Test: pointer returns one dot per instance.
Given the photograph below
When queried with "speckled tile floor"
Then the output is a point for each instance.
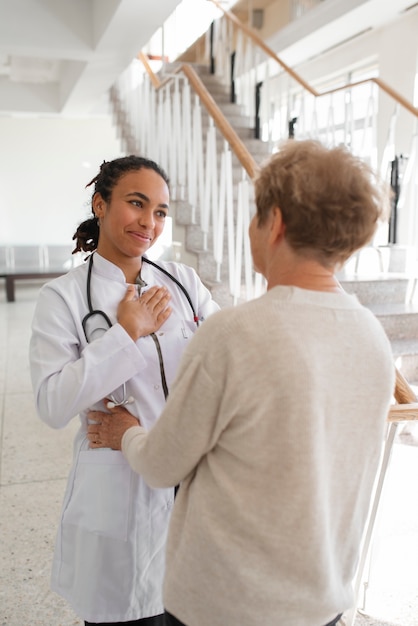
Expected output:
(34, 461)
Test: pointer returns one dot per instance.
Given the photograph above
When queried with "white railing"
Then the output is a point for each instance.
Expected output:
(170, 126)
(345, 111)
(300, 7)
(347, 116)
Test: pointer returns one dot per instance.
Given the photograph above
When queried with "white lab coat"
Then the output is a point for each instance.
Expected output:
(109, 556)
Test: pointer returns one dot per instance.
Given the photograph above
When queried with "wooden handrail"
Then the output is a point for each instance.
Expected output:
(270, 53)
(383, 86)
(238, 147)
(260, 43)
(406, 407)
(154, 79)
(403, 392)
(403, 412)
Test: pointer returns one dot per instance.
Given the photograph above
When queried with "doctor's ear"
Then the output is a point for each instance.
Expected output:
(98, 205)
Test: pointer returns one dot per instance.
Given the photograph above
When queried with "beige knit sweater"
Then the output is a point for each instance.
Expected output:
(274, 427)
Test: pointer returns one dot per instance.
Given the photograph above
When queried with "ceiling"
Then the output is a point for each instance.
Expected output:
(59, 57)
(332, 23)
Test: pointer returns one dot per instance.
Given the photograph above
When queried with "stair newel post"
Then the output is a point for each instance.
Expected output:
(395, 186)
(230, 226)
(331, 130)
(198, 146)
(248, 265)
(291, 127)
(168, 155)
(176, 136)
(314, 119)
(188, 149)
(159, 125)
(348, 118)
(218, 234)
(211, 47)
(233, 96)
(236, 277)
(257, 126)
(211, 184)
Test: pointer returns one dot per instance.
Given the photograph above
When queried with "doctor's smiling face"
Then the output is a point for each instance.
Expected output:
(132, 218)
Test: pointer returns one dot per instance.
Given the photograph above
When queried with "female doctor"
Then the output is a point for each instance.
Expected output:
(113, 330)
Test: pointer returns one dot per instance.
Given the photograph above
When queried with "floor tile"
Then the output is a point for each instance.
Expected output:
(32, 450)
(29, 514)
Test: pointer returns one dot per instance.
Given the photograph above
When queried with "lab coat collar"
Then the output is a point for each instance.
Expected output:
(111, 271)
(106, 268)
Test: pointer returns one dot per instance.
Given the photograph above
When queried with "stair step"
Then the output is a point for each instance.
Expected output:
(217, 90)
(405, 347)
(400, 323)
(378, 289)
(258, 149)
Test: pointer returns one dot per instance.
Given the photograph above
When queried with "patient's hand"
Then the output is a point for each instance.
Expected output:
(108, 428)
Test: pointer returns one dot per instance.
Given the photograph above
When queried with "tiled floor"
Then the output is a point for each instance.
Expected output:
(34, 461)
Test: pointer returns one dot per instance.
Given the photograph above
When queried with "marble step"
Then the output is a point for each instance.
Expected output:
(400, 320)
(374, 289)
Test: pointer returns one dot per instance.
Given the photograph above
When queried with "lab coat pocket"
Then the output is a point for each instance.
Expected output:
(100, 495)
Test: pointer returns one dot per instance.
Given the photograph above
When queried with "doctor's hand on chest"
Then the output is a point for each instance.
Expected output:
(146, 314)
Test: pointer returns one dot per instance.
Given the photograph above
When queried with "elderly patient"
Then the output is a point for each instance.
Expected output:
(274, 425)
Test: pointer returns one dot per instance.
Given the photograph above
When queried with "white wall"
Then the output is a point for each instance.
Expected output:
(44, 167)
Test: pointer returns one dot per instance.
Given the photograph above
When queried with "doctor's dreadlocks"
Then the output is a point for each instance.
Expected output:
(87, 233)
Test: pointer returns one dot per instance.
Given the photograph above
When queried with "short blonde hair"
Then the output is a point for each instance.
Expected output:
(331, 201)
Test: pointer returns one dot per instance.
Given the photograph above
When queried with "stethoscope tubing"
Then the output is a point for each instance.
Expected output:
(179, 285)
(92, 312)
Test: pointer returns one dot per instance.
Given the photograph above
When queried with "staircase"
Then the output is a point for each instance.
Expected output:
(193, 237)
(388, 292)
(388, 297)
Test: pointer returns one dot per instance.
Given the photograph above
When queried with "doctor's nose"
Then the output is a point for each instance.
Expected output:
(147, 219)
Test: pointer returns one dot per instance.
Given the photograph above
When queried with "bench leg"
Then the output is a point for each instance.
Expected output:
(10, 289)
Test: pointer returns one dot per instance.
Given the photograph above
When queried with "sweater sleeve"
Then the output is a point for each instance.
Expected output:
(67, 378)
(189, 426)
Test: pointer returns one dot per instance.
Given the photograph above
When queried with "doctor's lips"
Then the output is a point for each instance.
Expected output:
(141, 236)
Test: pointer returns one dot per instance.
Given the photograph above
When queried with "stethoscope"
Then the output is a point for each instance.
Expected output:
(101, 314)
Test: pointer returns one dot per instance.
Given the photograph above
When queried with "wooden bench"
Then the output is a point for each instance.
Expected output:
(33, 263)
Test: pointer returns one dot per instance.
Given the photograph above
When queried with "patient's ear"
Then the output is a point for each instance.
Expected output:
(277, 226)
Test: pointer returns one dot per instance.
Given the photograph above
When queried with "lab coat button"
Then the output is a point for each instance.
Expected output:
(156, 386)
